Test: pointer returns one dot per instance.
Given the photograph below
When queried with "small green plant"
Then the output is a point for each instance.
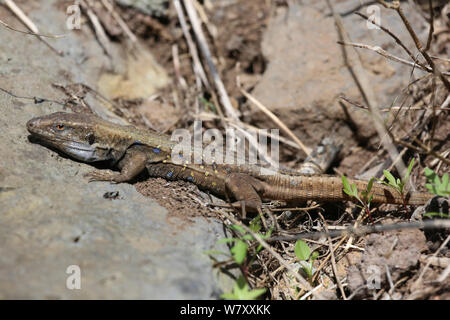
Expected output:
(436, 185)
(303, 253)
(352, 191)
(240, 254)
(241, 291)
(398, 184)
(366, 196)
(439, 187)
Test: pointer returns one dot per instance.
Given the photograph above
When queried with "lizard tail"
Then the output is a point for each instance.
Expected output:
(330, 188)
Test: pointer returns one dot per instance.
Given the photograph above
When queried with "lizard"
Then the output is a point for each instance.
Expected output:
(89, 138)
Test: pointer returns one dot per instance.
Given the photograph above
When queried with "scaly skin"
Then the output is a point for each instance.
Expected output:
(89, 138)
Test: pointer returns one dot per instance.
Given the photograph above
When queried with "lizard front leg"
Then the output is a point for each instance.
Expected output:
(132, 164)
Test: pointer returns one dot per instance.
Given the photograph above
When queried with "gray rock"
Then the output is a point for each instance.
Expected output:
(52, 218)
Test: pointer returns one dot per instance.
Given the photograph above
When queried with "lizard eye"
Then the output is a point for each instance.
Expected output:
(60, 127)
(90, 138)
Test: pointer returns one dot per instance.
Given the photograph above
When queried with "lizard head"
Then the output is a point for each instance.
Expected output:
(72, 133)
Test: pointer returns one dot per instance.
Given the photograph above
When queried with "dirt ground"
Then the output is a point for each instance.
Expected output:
(285, 53)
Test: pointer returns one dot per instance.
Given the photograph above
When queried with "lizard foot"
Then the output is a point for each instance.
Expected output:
(104, 175)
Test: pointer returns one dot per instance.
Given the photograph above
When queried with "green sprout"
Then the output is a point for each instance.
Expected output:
(241, 291)
(398, 184)
(439, 187)
(436, 185)
(303, 253)
(366, 197)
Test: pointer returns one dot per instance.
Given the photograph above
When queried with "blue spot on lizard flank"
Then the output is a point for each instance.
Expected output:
(190, 179)
(156, 150)
(169, 174)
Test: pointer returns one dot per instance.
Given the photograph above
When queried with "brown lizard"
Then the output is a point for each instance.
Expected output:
(89, 138)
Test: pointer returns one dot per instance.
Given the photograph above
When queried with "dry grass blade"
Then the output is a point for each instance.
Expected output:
(333, 258)
(32, 33)
(277, 121)
(119, 20)
(99, 31)
(198, 68)
(29, 24)
(196, 25)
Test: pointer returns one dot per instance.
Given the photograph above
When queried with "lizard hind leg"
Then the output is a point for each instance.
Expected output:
(245, 190)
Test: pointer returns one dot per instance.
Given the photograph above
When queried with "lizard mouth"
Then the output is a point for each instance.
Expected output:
(78, 150)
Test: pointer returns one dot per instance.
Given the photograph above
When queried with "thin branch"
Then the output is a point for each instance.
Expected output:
(363, 230)
(389, 56)
(396, 39)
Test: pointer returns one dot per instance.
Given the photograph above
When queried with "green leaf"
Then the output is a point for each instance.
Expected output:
(302, 251)
(228, 296)
(308, 270)
(390, 178)
(237, 228)
(242, 292)
(239, 251)
(215, 252)
(435, 185)
(226, 240)
(255, 224)
(436, 214)
(408, 171)
(370, 185)
(247, 237)
(436, 180)
(355, 190)
(346, 185)
(314, 256)
(429, 173)
(253, 294)
(445, 181)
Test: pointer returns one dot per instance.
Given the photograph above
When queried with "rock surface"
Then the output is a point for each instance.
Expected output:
(398, 252)
(52, 218)
(307, 71)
